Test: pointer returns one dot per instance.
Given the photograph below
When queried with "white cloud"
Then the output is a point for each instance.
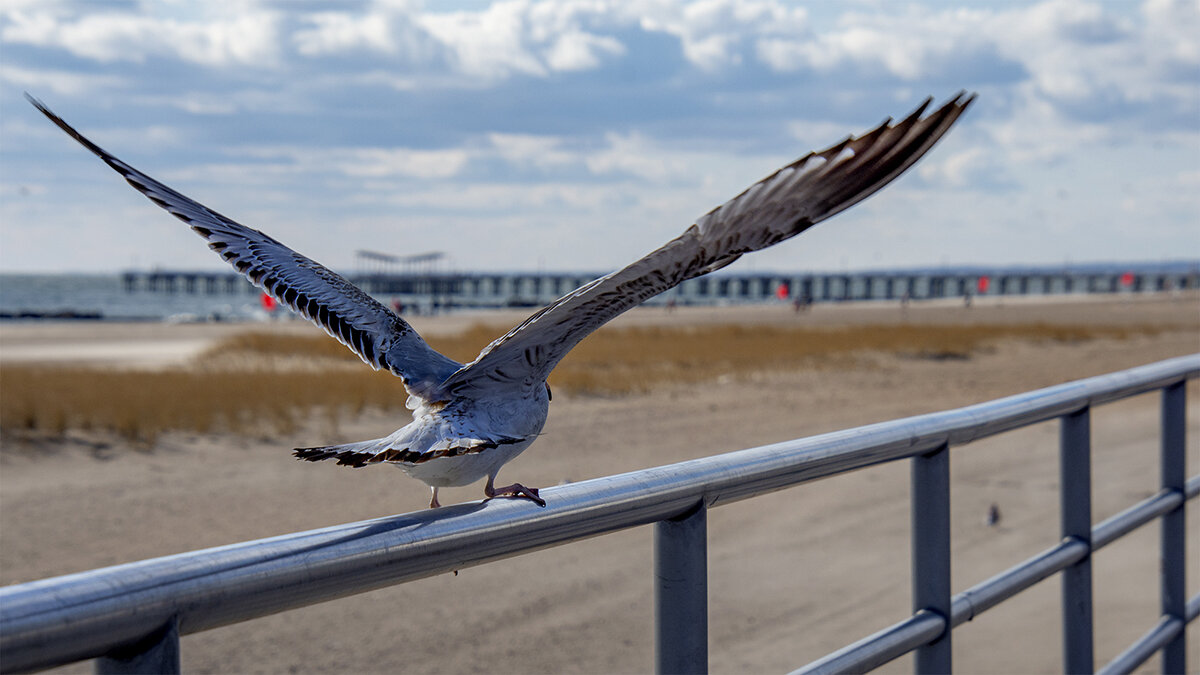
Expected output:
(715, 33)
(68, 83)
(363, 162)
(1070, 49)
(523, 38)
(1035, 132)
(628, 156)
(390, 29)
(1049, 39)
(970, 167)
(577, 50)
(336, 32)
(908, 47)
(543, 152)
(199, 104)
(375, 162)
(245, 38)
(818, 134)
(636, 155)
(21, 5)
(156, 136)
(1174, 25)
(615, 113)
(153, 137)
(491, 197)
(488, 43)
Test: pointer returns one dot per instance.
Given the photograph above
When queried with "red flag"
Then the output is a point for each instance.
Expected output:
(1127, 279)
(268, 302)
(982, 284)
(782, 292)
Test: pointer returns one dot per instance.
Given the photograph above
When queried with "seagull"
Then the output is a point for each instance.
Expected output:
(471, 419)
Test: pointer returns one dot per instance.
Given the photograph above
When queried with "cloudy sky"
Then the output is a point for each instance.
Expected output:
(525, 135)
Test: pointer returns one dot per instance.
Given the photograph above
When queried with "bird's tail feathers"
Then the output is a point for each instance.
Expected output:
(400, 449)
(354, 455)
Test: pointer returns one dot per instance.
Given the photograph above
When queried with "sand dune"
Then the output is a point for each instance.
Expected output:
(792, 575)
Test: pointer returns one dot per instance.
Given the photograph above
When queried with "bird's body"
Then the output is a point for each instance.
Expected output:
(470, 419)
(454, 443)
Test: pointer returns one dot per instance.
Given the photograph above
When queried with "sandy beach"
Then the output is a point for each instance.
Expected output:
(792, 575)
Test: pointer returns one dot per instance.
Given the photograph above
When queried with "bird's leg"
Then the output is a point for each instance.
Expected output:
(433, 503)
(514, 490)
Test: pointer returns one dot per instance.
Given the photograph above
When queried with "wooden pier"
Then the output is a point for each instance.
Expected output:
(433, 289)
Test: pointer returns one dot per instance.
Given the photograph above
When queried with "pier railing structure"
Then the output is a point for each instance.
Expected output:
(419, 289)
(130, 617)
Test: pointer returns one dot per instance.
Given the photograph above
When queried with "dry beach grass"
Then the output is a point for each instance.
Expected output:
(262, 380)
(793, 575)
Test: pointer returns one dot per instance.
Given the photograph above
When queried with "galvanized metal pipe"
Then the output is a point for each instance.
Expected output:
(931, 553)
(987, 594)
(896, 640)
(1145, 511)
(681, 593)
(156, 654)
(877, 649)
(1075, 510)
(1167, 629)
(1174, 530)
(869, 652)
(890, 643)
(74, 617)
(1122, 523)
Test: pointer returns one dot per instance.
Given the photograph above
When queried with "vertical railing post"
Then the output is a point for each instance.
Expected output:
(681, 593)
(157, 653)
(931, 552)
(1174, 565)
(1075, 512)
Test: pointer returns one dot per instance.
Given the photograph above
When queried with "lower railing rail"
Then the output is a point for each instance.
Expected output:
(130, 616)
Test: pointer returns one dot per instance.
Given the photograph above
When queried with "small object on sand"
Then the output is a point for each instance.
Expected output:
(993, 515)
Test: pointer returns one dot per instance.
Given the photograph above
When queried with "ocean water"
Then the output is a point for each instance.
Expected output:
(103, 296)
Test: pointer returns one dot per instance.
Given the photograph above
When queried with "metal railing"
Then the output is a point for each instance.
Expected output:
(130, 616)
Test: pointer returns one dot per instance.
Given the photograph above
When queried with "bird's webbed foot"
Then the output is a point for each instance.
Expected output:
(514, 490)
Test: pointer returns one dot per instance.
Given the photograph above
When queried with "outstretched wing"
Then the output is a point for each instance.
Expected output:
(776, 208)
(377, 335)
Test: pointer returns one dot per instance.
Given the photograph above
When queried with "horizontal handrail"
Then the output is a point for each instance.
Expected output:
(987, 594)
(877, 649)
(1145, 511)
(64, 619)
(898, 639)
(1165, 630)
